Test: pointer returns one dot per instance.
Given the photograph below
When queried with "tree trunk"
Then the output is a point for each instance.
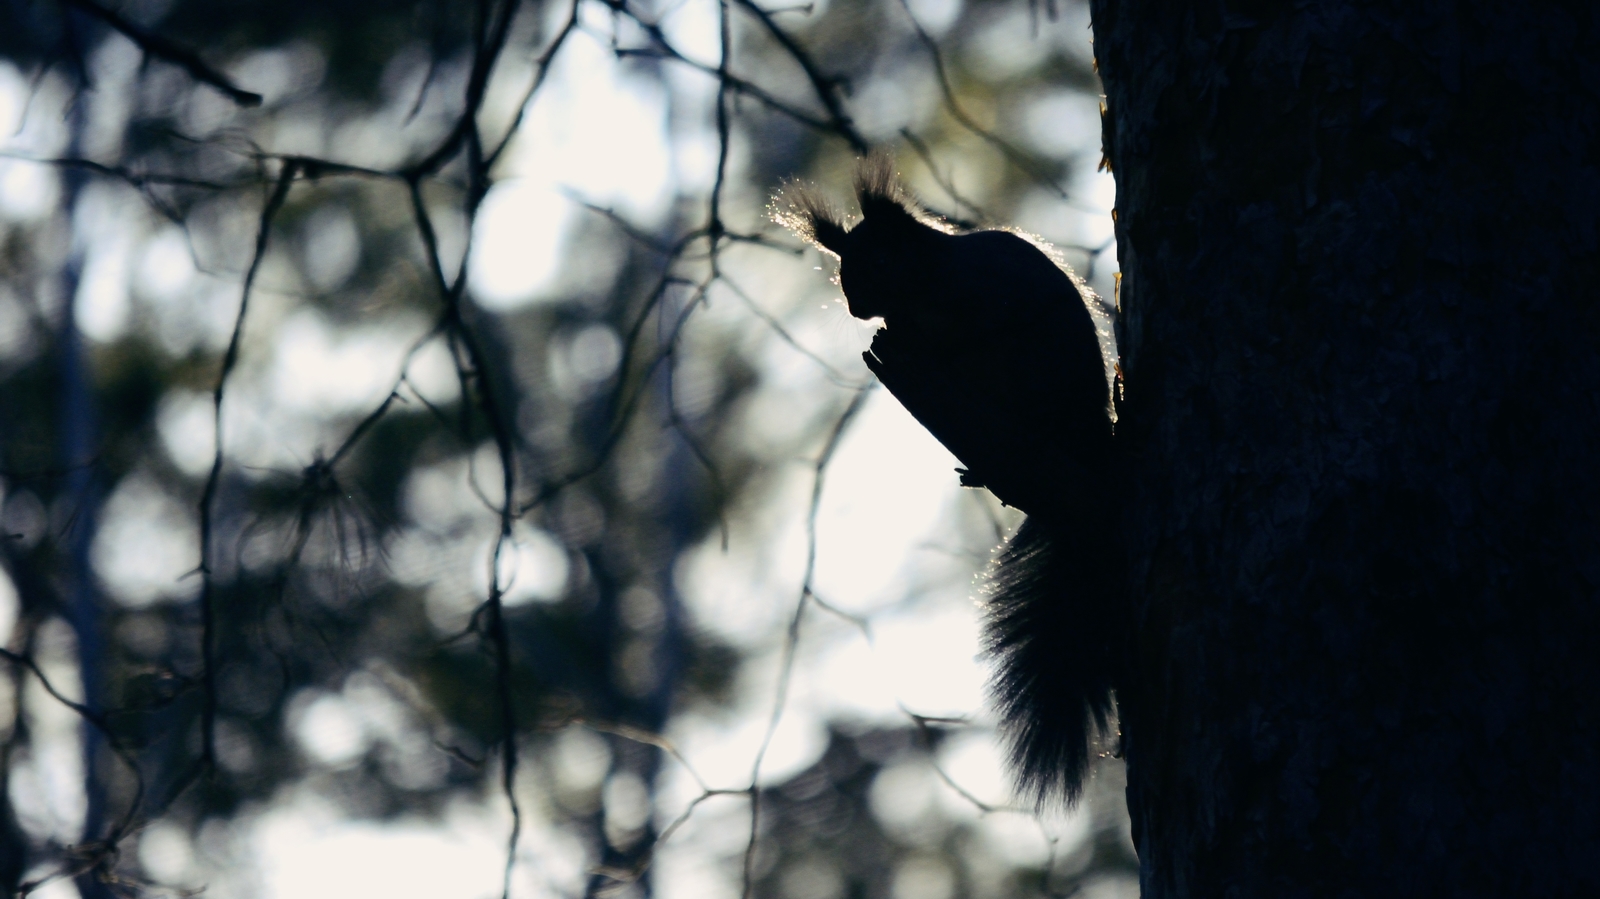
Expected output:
(1359, 248)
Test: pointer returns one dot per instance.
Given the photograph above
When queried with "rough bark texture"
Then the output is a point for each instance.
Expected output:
(1362, 407)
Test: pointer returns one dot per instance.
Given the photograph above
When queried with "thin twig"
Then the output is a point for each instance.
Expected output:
(102, 854)
(541, 71)
(826, 89)
(208, 497)
(1016, 157)
(836, 376)
(791, 641)
(161, 48)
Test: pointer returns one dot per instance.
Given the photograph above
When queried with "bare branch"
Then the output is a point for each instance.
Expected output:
(728, 81)
(161, 48)
(827, 89)
(1016, 157)
(541, 70)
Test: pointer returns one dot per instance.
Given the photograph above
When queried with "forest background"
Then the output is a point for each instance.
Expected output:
(557, 542)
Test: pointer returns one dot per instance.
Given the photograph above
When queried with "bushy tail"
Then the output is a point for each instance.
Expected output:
(1052, 627)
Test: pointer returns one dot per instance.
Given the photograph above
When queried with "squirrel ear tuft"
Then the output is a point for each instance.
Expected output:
(876, 179)
(880, 193)
(809, 215)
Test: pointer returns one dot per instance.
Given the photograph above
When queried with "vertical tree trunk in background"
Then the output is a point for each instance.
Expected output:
(77, 427)
(1362, 413)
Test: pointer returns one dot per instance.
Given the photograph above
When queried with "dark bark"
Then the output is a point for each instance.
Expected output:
(1359, 249)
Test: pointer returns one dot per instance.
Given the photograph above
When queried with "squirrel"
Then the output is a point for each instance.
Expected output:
(988, 342)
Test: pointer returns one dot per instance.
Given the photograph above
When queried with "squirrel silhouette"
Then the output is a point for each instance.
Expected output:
(988, 342)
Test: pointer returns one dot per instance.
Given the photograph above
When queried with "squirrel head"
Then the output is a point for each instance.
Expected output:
(888, 259)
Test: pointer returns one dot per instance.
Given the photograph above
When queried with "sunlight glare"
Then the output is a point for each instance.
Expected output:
(166, 267)
(306, 852)
(518, 239)
(328, 371)
(101, 308)
(1063, 123)
(596, 131)
(28, 191)
(46, 783)
(724, 751)
(146, 545)
(328, 730)
(932, 657)
(935, 16)
(8, 611)
(533, 568)
(887, 485)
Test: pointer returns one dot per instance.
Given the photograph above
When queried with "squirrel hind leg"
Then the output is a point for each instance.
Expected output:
(1050, 629)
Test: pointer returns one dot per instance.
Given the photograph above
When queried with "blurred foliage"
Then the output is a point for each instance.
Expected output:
(314, 611)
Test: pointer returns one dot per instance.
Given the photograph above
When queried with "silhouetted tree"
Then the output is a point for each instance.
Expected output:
(1358, 339)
